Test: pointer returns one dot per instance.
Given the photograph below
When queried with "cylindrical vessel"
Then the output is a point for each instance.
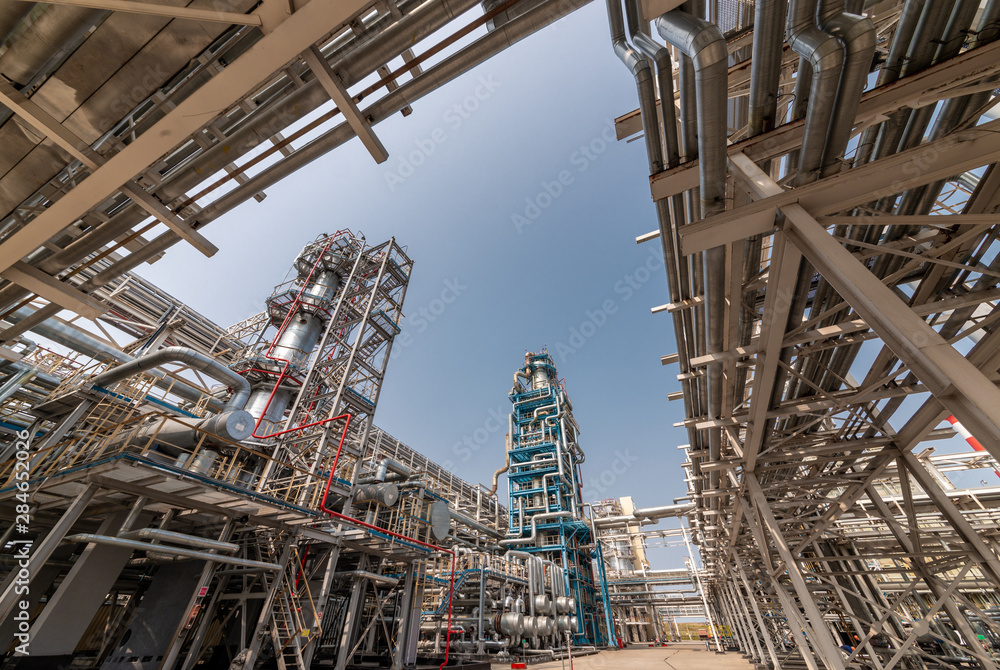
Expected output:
(387, 494)
(543, 605)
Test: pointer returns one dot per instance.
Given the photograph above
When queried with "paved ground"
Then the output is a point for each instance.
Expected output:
(672, 657)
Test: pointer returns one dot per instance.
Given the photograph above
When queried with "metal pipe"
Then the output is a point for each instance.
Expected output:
(381, 579)
(211, 367)
(704, 45)
(387, 464)
(70, 337)
(765, 69)
(175, 551)
(534, 527)
(824, 55)
(857, 35)
(663, 511)
(179, 538)
(472, 523)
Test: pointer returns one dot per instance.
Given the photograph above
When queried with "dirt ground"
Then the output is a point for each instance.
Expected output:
(682, 656)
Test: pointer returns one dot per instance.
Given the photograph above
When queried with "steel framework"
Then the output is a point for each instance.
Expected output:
(825, 184)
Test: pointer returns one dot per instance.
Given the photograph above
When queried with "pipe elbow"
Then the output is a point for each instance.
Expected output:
(823, 51)
(856, 32)
(700, 40)
(632, 59)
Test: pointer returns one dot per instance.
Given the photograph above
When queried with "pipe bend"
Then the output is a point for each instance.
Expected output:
(633, 60)
(856, 32)
(208, 365)
(701, 40)
(823, 51)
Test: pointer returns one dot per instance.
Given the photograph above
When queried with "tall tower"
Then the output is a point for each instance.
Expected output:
(546, 507)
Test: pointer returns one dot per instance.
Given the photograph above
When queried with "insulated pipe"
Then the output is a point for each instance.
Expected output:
(180, 538)
(211, 367)
(529, 560)
(663, 511)
(824, 55)
(69, 337)
(353, 574)
(858, 37)
(472, 523)
(640, 70)
(506, 465)
(18, 379)
(387, 464)
(174, 551)
(534, 527)
(672, 216)
(705, 46)
(765, 68)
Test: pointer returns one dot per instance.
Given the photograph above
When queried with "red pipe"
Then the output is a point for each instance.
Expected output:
(281, 377)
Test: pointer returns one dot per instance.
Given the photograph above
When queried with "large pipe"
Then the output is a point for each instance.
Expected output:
(211, 367)
(231, 424)
(180, 538)
(858, 37)
(645, 516)
(663, 511)
(765, 69)
(705, 47)
(821, 63)
(472, 523)
(534, 528)
(175, 551)
(72, 338)
(364, 574)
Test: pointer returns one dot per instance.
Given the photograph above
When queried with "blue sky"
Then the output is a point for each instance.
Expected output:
(530, 139)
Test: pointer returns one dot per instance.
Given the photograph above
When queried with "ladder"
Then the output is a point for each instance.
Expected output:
(289, 631)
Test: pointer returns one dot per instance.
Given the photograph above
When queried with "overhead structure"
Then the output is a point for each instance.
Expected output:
(175, 115)
(826, 190)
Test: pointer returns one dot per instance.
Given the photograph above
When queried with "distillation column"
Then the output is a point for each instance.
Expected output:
(546, 517)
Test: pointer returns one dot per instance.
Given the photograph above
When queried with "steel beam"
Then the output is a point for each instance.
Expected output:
(170, 11)
(925, 164)
(80, 150)
(331, 83)
(271, 53)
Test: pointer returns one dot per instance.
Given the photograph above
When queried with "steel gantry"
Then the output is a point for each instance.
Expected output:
(826, 191)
